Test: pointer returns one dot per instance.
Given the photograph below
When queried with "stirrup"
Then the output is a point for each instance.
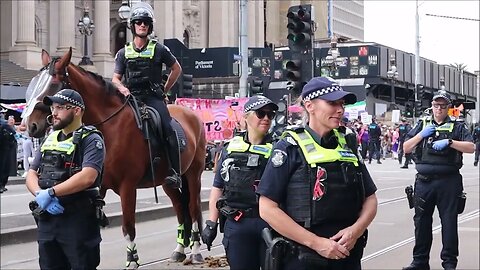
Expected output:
(174, 180)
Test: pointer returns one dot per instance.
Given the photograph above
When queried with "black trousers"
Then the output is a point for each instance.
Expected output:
(5, 164)
(442, 192)
(477, 151)
(374, 149)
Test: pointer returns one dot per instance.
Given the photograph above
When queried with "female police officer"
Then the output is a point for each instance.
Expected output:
(233, 193)
(315, 191)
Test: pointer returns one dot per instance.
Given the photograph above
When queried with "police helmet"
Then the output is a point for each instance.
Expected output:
(141, 14)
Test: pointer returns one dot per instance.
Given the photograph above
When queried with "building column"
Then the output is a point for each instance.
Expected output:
(102, 57)
(219, 26)
(273, 22)
(67, 26)
(25, 51)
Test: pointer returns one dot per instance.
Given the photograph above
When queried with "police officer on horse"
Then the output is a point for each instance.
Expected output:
(141, 63)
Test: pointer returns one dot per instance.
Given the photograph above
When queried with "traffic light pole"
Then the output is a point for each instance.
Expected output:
(417, 55)
(243, 47)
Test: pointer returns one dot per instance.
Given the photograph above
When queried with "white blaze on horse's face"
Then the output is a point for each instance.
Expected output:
(36, 90)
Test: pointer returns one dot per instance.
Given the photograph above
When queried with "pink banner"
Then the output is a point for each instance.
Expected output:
(219, 116)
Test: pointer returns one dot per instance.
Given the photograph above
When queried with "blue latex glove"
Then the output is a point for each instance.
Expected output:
(427, 131)
(440, 144)
(55, 208)
(43, 199)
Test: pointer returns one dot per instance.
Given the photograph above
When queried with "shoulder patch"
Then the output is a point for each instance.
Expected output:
(278, 158)
(99, 144)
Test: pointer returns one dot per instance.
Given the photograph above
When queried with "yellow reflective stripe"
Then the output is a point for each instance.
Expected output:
(149, 52)
(444, 127)
(52, 143)
(237, 144)
(314, 153)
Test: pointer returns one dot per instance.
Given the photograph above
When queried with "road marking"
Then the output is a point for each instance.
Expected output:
(7, 214)
(464, 218)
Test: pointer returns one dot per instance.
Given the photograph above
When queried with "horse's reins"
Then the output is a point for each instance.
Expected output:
(66, 82)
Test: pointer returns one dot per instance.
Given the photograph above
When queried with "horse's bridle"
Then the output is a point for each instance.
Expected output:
(66, 84)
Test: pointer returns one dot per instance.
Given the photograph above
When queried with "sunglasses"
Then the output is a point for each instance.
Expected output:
(142, 22)
(261, 114)
(61, 108)
(439, 106)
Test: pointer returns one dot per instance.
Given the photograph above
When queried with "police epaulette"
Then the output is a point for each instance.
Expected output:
(88, 128)
(154, 40)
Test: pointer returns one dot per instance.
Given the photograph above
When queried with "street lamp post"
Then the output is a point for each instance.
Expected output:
(333, 60)
(442, 83)
(85, 26)
(392, 75)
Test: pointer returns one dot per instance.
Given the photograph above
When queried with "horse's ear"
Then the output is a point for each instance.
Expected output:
(45, 58)
(65, 60)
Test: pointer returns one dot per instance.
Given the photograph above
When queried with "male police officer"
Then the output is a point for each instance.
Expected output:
(374, 133)
(141, 62)
(65, 177)
(439, 143)
(403, 129)
(476, 140)
(7, 145)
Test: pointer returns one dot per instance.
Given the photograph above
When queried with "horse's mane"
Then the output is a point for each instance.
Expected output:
(111, 89)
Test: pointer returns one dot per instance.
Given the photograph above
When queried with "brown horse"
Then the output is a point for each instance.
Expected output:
(127, 157)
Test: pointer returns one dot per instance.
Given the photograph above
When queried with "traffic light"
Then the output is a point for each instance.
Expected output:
(299, 28)
(187, 83)
(408, 110)
(418, 108)
(255, 86)
(294, 75)
(184, 85)
(421, 91)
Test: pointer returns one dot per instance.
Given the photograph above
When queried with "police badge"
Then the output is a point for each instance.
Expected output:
(278, 158)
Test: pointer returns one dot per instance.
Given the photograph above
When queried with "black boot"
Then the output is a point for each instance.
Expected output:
(173, 180)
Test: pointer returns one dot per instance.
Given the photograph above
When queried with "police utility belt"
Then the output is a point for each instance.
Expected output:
(235, 213)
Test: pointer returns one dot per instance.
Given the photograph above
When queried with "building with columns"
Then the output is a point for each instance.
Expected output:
(28, 26)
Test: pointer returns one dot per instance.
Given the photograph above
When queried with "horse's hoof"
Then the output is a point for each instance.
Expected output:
(177, 257)
(196, 258)
(132, 265)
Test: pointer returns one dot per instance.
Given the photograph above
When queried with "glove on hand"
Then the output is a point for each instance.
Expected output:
(440, 144)
(43, 198)
(427, 131)
(55, 208)
(209, 233)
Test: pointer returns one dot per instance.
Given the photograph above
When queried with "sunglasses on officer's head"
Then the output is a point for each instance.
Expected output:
(261, 114)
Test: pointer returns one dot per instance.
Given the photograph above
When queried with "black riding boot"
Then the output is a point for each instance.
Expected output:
(173, 180)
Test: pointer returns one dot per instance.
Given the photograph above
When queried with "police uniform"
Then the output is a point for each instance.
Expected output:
(476, 140)
(240, 168)
(142, 69)
(374, 133)
(320, 183)
(72, 239)
(7, 145)
(438, 183)
(403, 130)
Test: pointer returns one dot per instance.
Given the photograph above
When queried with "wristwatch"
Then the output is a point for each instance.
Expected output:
(51, 192)
(450, 141)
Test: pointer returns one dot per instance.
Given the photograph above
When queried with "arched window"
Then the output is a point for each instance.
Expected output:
(38, 32)
(186, 38)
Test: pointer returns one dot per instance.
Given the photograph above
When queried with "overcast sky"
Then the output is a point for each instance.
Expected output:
(445, 41)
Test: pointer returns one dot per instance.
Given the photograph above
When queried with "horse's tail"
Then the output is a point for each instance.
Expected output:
(185, 201)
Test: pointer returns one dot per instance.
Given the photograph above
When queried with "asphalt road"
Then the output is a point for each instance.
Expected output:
(389, 245)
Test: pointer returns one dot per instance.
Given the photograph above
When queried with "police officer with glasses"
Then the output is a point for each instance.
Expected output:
(65, 178)
(316, 192)
(233, 197)
(439, 143)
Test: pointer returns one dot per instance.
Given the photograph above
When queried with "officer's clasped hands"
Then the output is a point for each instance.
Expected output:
(440, 144)
(43, 198)
(209, 233)
(427, 131)
(55, 208)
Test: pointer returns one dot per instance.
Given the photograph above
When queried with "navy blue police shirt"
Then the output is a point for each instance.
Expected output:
(275, 178)
(92, 147)
(460, 133)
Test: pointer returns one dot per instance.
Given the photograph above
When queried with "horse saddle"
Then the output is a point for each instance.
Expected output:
(149, 121)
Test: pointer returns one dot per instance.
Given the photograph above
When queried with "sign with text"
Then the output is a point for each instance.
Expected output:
(219, 116)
